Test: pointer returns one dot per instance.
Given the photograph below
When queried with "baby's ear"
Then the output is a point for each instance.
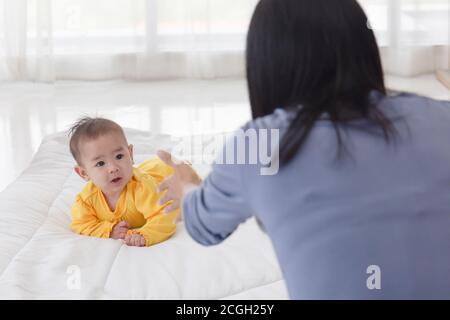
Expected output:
(130, 149)
(81, 172)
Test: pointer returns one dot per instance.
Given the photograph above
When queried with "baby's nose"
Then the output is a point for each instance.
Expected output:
(113, 169)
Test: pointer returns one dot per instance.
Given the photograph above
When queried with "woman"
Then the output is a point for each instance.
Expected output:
(360, 205)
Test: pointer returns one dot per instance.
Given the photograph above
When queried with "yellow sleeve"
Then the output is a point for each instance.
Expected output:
(156, 168)
(159, 226)
(86, 222)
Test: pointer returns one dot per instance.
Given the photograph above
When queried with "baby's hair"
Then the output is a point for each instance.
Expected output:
(90, 128)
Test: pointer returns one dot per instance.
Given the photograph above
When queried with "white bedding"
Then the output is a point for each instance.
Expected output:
(40, 258)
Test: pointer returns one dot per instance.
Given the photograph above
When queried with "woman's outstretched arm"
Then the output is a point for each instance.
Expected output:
(212, 209)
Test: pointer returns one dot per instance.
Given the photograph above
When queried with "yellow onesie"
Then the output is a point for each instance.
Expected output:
(138, 204)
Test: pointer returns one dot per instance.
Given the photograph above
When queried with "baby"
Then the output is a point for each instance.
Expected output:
(119, 201)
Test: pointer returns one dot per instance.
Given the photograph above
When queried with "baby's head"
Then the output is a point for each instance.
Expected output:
(102, 153)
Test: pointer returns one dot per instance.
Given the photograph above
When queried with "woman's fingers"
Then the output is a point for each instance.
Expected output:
(184, 179)
(166, 198)
(173, 206)
(165, 184)
(166, 157)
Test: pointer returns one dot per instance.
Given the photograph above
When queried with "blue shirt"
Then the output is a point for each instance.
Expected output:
(330, 221)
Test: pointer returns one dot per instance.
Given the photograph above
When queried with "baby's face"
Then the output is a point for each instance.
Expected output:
(107, 161)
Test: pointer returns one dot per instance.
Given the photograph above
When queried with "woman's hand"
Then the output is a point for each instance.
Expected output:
(177, 185)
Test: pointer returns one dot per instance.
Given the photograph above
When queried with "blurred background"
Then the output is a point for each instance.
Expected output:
(169, 66)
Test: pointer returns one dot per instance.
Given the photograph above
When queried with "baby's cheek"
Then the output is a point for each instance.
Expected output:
(129, 173)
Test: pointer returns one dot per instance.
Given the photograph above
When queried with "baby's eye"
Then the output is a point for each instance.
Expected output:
(100, 164)
(119, 156)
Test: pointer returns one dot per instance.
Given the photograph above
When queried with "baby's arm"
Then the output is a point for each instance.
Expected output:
(158, 228)
(86, 222)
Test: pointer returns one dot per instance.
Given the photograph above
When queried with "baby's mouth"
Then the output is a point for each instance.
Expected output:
(116, 180)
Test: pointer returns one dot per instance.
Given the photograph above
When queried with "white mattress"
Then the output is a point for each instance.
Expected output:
(39, 253)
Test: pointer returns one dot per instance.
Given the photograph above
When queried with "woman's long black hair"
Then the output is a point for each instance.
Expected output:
(320, 54)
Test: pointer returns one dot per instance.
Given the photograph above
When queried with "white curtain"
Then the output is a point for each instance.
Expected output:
(50, 40)
(414, 35)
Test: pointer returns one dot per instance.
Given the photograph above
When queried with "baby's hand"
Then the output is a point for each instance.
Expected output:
(135, 240)
(120, 230)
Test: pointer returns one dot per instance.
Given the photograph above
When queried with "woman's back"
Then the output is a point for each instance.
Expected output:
(333, 222)
(381, 206)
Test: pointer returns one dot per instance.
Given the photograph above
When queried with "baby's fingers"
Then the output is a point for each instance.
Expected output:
(122, 230)
(137, 240)
(123, 224)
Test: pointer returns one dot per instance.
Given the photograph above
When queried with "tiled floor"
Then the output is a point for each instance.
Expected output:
(29, 111)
